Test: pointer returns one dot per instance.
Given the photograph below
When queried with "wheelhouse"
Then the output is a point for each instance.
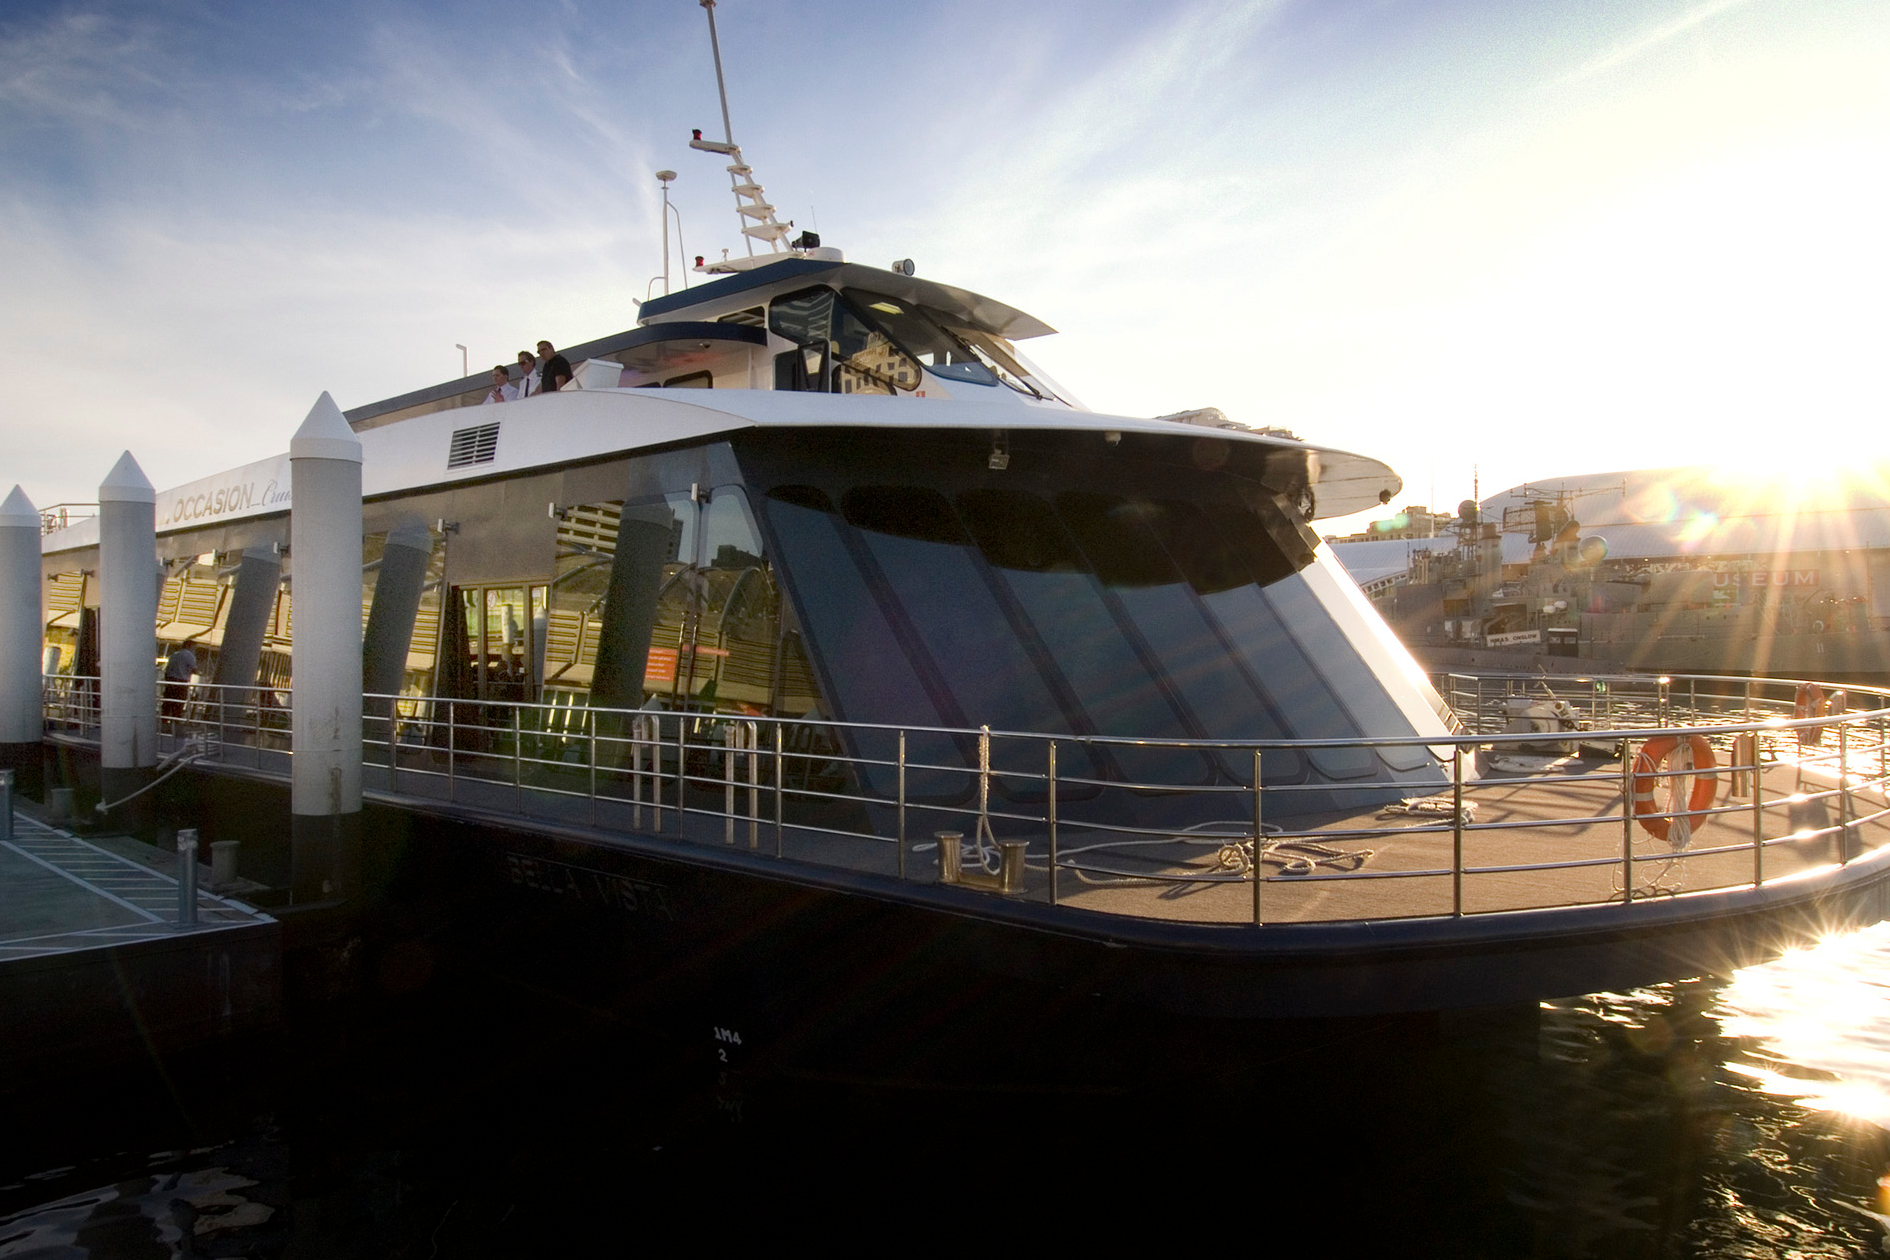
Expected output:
(804, 325)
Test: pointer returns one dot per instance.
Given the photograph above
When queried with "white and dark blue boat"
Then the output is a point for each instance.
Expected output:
(812, 626)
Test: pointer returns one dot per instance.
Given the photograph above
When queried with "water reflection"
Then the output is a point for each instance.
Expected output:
(1820, 1018)
(1737, 1117)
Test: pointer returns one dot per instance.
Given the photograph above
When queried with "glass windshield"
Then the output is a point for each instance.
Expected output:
(1076, 594)
(996, 353)
(869, 343)
(840, 353)
(946, 345)
(916, 329)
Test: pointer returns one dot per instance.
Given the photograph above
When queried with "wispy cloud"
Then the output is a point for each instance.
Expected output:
(1644, 42)
(87, 69)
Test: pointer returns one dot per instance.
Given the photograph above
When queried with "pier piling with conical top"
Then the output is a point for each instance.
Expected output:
(128, 599)
(21, 631)
(325, 585)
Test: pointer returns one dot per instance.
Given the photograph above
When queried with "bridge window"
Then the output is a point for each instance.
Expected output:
(838, 351)
(919, 333)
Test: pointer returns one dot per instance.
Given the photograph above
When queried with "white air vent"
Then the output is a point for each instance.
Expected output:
(477, 445)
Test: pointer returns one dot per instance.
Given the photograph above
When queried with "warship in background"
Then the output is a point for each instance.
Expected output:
(1681, 570)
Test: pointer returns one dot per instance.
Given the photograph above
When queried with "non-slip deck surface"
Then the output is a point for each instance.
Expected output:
(59, 893)
(1519, 822)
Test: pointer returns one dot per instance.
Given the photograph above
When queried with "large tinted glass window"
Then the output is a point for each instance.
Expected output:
(1341, 668)
(1077, 590)
(1107, 670)
(867, 668)
(1233, 562)
(580, 583)
(1218, 569)
(1228, 701)
(669, 601)
(926, 563)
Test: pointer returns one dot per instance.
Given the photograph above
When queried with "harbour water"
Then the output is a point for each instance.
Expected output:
(491, 1114)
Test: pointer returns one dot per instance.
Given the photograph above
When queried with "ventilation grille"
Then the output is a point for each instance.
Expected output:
(477, 445)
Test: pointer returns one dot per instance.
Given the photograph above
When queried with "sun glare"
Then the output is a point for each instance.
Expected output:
(1804, 1009)
(1700, 500)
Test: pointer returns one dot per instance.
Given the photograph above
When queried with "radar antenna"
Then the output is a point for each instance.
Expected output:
(751, 203)
(1546, 514)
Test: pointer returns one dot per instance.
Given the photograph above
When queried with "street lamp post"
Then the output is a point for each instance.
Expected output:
(465, 368)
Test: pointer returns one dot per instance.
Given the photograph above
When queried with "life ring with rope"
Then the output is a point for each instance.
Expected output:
(1649, 765)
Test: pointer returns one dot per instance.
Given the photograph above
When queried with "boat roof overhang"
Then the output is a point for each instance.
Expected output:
(982, 312)
(583, 426)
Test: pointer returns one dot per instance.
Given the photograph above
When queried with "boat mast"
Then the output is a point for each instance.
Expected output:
(750, 201)
(721, 85)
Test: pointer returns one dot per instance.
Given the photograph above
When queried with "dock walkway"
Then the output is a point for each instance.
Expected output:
(93, 963)
(60, 893)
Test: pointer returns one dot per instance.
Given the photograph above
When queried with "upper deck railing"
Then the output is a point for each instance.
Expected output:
(1618, 811)
(60, 515)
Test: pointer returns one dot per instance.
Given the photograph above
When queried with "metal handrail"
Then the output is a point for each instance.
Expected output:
(57, 516)
(678, 773)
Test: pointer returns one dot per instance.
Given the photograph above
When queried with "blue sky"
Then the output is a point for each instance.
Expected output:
(1537, 239)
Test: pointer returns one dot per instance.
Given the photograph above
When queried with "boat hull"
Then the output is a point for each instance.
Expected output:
(673, 918)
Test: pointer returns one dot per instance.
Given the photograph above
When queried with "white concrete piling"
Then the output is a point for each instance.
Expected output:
(325, 584)
(127, 556)
(21, 630)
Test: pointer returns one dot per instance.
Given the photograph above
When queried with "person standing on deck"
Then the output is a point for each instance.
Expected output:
(502, 388)
(179, 667)
(527, 374)
(556, 371)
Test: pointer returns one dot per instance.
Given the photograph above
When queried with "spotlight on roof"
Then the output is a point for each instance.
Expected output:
(903, 267)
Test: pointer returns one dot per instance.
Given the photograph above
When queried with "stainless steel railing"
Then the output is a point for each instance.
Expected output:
(1444, 826)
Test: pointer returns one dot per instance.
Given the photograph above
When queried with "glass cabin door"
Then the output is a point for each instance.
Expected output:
(503, 642)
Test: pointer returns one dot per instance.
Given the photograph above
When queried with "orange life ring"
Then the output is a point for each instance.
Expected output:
(1809, 703)
(1647, 769)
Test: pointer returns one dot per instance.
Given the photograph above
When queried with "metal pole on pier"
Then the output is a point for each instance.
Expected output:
(128, 597)
(187, 877)
(21, 631)
(325, 724)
